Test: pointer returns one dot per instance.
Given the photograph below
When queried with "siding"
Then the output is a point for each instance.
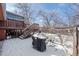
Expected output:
(12, 16)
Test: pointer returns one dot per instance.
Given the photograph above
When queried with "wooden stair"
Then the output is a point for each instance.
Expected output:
(28, 31)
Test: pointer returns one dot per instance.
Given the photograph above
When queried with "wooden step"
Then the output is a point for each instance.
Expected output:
(28, 30)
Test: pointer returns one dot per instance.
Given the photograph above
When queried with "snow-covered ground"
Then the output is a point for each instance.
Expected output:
(18, 47)
(1, 44)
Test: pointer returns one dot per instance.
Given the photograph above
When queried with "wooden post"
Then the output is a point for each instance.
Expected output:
(78, 39)
(75, 42)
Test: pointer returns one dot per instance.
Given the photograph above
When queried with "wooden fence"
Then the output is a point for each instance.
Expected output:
(74, 31)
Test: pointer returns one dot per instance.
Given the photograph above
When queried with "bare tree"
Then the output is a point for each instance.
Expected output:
(45, 17)
(51, 19)
(57, 20)
(75, 18)
(25, 10)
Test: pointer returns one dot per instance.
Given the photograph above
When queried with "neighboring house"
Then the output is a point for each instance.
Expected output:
(9, 21)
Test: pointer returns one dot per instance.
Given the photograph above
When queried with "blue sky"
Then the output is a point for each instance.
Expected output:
(60, 7)
(46, 6)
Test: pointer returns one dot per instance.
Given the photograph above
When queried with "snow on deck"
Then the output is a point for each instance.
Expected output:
(18, 47)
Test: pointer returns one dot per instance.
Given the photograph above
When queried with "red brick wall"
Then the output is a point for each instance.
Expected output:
(2, 34)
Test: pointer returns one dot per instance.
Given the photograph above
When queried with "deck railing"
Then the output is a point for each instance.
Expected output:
(12, 24)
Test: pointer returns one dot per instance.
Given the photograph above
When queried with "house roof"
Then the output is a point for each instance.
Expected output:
(13, 16)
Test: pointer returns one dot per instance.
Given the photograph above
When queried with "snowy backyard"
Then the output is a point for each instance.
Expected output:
(18, 47)
(39, 30)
